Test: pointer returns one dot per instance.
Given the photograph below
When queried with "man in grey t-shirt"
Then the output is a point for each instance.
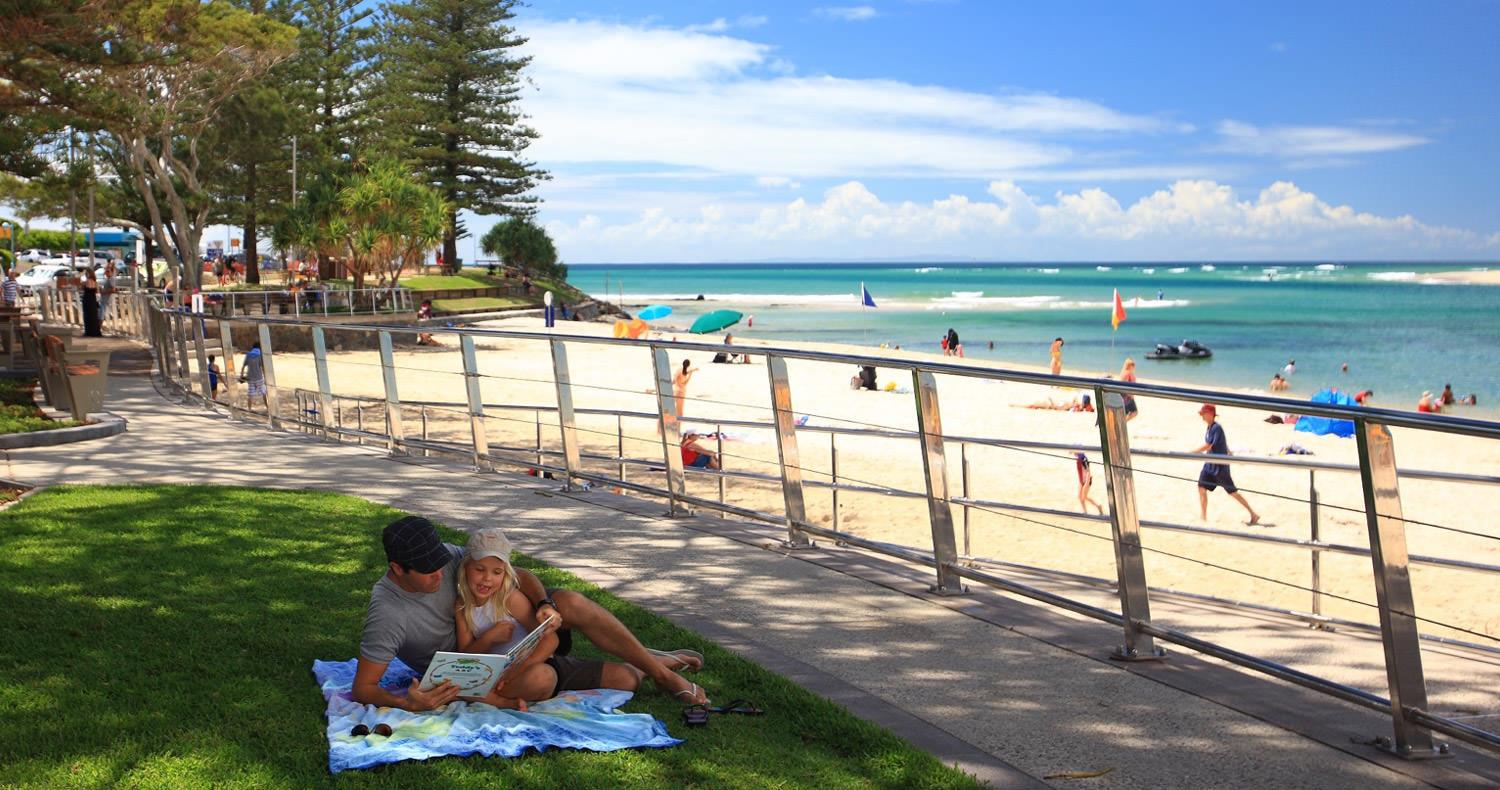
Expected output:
(412, 626)
(411, 618)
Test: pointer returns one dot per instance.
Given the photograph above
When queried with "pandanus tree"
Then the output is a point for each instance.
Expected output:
(380, 222)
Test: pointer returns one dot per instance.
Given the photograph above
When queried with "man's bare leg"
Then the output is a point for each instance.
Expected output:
(610, 635)
(1203, 501)
(1238, 497)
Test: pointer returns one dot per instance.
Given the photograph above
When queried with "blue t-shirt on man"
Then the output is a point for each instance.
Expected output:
(1217, 445)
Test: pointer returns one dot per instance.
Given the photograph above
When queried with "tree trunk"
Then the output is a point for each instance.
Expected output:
(150, 250)
(325, 267)
(450, 243)
(252, 255)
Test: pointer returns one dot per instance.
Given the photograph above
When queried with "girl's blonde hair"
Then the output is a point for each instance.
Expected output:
(496, 603)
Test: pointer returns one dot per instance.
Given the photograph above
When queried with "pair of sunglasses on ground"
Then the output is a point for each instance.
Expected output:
(697, 715)
(360, 730)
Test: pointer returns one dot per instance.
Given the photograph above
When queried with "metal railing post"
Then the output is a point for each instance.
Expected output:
(1393, 594)
(668, 427)
(201, 351)
(1124, 522)
(267, 361)
(935, 469)
(227, 378)
(476, 404)
(179, 335)
(833, 474)
(1317, 556)
(325, 390)
(565, 420)
(963, 461)
(536, 425)
(787, 455)
(719, 451)
(394, 430)
(426, 453)
(620, 445)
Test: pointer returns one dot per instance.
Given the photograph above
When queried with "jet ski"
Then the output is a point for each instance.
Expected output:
(1187, 349)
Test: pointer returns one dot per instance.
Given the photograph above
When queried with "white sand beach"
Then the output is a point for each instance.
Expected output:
(1468, 277)
(608, 377)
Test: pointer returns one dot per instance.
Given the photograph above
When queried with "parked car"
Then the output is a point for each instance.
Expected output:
(42, 275)
(33, 255)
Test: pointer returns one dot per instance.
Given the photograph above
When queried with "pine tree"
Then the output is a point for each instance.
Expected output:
(329, 81)
(450, 81)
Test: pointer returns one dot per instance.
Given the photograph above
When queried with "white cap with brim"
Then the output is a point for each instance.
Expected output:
(488, 542)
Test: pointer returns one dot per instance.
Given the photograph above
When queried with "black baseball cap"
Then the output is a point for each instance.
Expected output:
(413, 542)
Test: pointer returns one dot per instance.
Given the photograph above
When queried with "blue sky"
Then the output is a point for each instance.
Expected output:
(999, 130)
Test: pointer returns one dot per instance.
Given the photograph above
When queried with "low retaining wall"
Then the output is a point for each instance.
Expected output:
(299, 338)
(100, 425)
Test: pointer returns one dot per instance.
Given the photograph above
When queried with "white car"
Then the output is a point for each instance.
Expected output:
(33, 255)
(42, 275)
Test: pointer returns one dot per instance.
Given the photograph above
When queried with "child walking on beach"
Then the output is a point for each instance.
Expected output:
(1057, 345)
(492, 615)
(1085, 482)
(213, 378)
(1215, 475)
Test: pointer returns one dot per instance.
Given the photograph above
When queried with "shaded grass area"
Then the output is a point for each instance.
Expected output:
(163, 636)
(18, 412)
(482, 303)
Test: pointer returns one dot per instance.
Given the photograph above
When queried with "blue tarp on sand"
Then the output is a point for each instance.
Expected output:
(1322, 425)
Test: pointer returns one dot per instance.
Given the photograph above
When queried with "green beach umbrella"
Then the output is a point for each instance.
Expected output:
(715, 321)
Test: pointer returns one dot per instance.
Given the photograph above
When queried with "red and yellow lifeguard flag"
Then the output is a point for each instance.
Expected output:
(1118, 314)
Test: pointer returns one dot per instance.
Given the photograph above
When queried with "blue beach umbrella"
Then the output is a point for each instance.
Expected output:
(654, 312)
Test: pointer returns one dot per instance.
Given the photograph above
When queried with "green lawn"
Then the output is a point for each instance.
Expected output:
(481, 303)
(434, 282)
(163, 636)
(18, 412)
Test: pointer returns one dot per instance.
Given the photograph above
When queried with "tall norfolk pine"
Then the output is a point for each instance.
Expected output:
(448, 99)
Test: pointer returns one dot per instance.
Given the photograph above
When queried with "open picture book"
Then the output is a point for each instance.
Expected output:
(476, 674)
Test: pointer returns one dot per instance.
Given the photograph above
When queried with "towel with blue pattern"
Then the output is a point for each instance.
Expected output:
(572, 720)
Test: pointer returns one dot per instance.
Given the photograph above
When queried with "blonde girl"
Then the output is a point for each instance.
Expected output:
(492, 615)
(1127, 373)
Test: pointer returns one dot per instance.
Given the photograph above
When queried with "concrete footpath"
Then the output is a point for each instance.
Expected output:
(1009, 691)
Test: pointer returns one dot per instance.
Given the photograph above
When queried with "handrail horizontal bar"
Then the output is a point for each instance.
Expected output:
(1433, 422)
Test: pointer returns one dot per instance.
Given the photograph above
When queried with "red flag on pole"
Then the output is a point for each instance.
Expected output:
(1118, 314)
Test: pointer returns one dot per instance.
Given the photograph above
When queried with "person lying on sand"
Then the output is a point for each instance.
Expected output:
(1076, 404)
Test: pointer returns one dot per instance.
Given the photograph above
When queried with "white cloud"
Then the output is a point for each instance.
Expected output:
(721, 24)
(1292, 142)
(847, 13)
(610, 93)
(777, 181)
(1189, 217)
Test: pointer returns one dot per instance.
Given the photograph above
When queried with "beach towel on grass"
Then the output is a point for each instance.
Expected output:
(573, 720)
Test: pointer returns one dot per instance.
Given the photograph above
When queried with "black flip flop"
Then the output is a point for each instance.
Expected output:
(743, 707)
(695, 715)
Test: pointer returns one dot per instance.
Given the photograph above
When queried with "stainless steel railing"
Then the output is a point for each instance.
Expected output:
(170, 333)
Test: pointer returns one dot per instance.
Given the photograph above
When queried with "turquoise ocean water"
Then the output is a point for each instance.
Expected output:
(1399, 331)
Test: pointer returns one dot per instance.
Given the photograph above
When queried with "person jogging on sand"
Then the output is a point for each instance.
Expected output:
(1215, 475)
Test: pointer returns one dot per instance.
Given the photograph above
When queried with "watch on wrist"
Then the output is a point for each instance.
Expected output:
(546, 602)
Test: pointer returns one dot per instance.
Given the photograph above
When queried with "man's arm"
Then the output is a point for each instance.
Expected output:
(1205, 448)
(367, 690)
(532, 588)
